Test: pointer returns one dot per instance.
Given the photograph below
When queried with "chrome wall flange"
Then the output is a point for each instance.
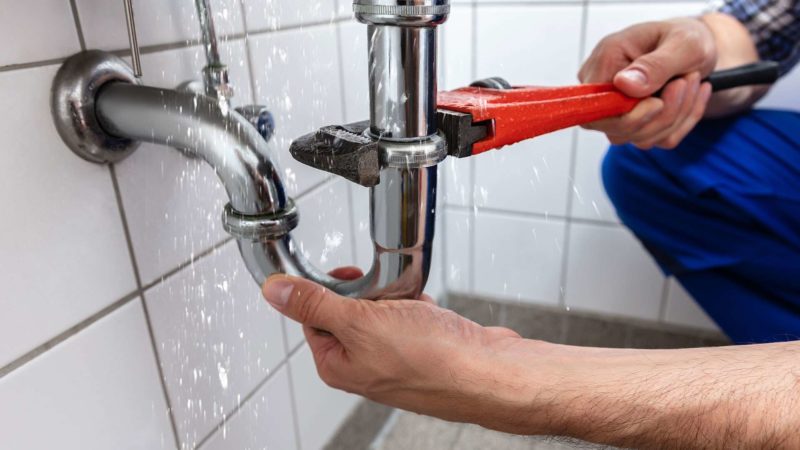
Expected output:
(72, 103)
(266, 226)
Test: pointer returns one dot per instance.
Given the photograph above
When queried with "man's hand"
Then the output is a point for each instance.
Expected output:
(416, 356)
(641, 60)
(406, 353)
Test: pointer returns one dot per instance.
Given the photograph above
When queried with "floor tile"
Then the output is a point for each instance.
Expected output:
(420, 432)
(595, 332)
(535, 323)
(484, 312)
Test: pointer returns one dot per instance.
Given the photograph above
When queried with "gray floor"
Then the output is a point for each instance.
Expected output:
(412, 431)
(376, 427)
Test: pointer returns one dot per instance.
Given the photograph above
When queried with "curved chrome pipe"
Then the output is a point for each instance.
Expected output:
(402, 205)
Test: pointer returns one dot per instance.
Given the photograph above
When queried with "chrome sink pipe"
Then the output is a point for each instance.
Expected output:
(102, 113)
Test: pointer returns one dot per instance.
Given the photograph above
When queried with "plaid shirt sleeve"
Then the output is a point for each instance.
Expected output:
(774, 25)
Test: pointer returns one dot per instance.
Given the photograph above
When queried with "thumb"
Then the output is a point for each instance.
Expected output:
(308, 303)
(650, 72)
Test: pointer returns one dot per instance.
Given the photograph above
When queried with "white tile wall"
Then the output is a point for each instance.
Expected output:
(264, 422)
(22, 24)
(319, 408)
(296, 74)
(62, 247)
(97, 390)
(157, 22)
(518, 258)
(608, 271)
(216, 337)
(271, 14)
(681, 309)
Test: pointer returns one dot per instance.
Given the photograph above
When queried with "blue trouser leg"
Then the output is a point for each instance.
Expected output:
(722, 213)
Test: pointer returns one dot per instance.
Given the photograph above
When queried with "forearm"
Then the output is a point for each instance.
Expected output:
(735, 47)
(735, 397)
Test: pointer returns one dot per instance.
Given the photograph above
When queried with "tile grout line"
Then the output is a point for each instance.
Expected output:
(662, 309)
(66, 334)
(532, 215)
(292, 395)
(78, 28)
(473, 222)
(233, 412)
(192, 260)
(189, 43)
(562, 297)
(148, 322)
(248, 54)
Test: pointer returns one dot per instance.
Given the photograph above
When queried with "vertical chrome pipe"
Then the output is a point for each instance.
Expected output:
(402, 81)
(402, 92)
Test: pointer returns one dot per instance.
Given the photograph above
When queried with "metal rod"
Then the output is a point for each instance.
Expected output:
(132, 39)
(209, 33)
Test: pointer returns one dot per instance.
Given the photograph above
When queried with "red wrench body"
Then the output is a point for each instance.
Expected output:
(514, 115)
(478, 119)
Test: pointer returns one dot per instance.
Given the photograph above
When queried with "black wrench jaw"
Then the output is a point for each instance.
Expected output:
(343, 150)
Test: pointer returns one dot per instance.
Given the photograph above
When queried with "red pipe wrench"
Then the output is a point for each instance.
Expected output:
(490, 114)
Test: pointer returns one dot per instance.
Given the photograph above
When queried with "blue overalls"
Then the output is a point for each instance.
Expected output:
(722, 213)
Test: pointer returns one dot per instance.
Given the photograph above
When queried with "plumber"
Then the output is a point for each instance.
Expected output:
(720, 210)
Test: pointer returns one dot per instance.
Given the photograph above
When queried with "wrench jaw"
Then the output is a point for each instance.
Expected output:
(343, 150)
(461, 133)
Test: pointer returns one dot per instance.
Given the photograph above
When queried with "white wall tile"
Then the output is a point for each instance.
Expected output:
(457, 180)
(97, 390)
(264, 422)
(297, 76)
(217, 338)
(63, 245)
(681, 309)
(362, 239)
(518, 258)
(277, 14)
(604, 19)
(157, 22)
(36, 30)
(354, 67)
(530, 177)
(589, 198)
(320, 409)
(457, 233)
(174, 203)
(608, 271)
(457, 35)
(344, 8)
(324, 235)
(529, 45)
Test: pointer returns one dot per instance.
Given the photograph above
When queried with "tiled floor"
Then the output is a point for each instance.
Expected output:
(412, 431)
(376, 427)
